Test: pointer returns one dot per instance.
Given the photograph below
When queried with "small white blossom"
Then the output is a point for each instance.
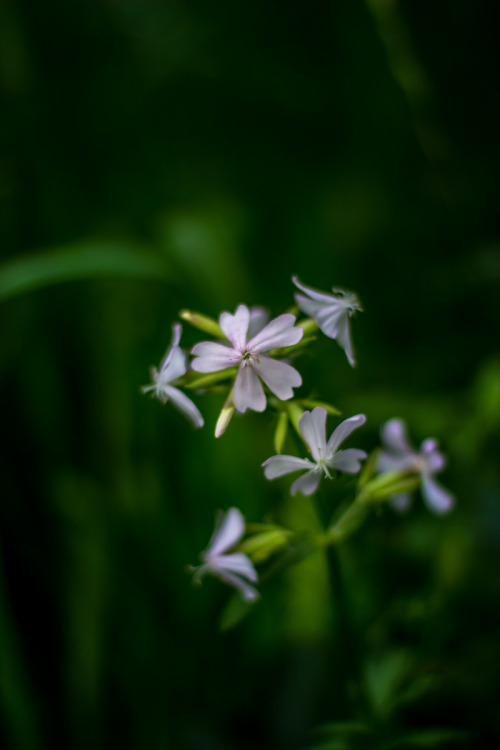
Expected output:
(234, 568)
(249, 356)
(399, 455)
(312, 425)
(173, 366)
(331, 312)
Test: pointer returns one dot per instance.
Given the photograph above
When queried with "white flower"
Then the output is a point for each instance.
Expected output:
(234, 568)
(331, 312)
(401, 456)
(173, 367)
(279, 377)
(312, 425)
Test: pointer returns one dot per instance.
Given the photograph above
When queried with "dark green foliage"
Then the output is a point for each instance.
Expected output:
(159, 155)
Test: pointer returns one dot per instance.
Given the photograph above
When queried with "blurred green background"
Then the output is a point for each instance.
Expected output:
(162, 154)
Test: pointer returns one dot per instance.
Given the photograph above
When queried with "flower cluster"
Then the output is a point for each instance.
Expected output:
(248, 353)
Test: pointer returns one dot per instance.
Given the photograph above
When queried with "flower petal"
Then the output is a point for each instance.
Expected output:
(173, 366)
(434, 459)
(312, 426)
(348, 460)
(436, 497)
(313, 293)
(429, 445)
(259, 318)
(228, 531)
(211, 357)
(344, 338)
(235, 326)
(237, 563)
(389, 462)
(281, 331)
(343, 431)
(328, 319)
(248, 392)
(307, 484)
(184, 404)
(277, 466)
(279, 377)
(393, 434)
(248, 592)
(309, 306)
(401, 502)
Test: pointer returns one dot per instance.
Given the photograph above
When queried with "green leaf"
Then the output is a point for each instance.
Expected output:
(80, 261)
(234, 612)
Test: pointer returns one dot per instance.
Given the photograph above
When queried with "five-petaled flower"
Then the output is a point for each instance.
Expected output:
(399, 455)
(331, 312)
(234, 568)
(173, 367)
(312, 425)
(279, 377)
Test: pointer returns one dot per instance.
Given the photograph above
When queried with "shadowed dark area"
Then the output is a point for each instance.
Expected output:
(158, 155)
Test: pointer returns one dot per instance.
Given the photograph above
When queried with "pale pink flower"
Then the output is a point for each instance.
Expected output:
(173, 367)
(253, 365)
(331, 312)
(326, 456)
(234, 568)
(399, 455)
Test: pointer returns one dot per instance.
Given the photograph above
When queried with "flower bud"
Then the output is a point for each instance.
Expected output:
(202, 322)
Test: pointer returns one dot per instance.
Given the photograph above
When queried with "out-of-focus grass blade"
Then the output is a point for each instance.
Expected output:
(17, 704)
(429, 738)
(79, 261)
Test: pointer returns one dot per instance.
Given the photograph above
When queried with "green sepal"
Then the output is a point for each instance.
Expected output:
(202, 322)
(261, 546)
(285, 351)
(388, 484)
(280, 431)
(294, 411)
(309, 325)
(310, 403)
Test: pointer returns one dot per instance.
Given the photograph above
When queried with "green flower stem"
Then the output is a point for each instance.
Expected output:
(212, 378)
(349, 522)
(370, 495)
(348, 663)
